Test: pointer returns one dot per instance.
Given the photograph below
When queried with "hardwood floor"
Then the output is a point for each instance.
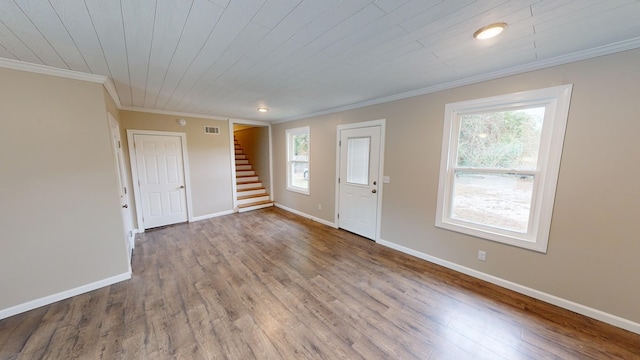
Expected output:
(268, 284)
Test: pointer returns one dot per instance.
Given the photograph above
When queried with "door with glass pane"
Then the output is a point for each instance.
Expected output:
(359, 183)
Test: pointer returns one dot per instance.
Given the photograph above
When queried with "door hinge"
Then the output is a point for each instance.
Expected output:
(119, 145)
(338, 215)
(125, 190)
(339, 142)
(338, 180)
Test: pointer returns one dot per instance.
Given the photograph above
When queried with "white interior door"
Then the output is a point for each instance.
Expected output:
(125, 210)
(161, 178)
(358, 180)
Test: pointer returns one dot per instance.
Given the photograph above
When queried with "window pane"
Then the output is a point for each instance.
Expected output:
(358, 161)
(300, 174)
(300, 147)
(298, 159)
(500, 140)
(497, 200)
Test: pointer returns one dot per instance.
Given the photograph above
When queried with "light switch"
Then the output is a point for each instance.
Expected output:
(386, 179)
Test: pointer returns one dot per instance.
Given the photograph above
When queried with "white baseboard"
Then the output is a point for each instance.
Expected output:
(536, 294)
(209, 216)
(198, 218)
(30, 305)
(316, 219)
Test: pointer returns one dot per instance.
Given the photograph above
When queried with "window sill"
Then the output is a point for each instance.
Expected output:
(298, 190)
(539, 245)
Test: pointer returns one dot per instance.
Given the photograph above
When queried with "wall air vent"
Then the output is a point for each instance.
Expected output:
(213, 130)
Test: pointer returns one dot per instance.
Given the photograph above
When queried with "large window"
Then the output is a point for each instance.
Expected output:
(298, 160)
(500, 164)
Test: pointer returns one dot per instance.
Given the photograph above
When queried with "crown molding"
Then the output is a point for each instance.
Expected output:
(64, 73)
(172, 113)
(49, 70)
(111, 90)
(608, 49)
(100, 79)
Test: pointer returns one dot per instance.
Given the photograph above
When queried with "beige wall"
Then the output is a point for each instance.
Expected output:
(209, 157)
(322, 166)
(255, 143)
(60, 226)
(593, 248)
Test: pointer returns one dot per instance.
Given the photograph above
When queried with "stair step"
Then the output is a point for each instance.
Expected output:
(246, 179)
(251, 191)
(250, 199)
(245, 173)
(254, 206)
(248, 185)
(251, 195)
(255, 197)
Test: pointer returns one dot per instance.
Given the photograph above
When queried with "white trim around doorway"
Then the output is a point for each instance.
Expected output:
(232, 157)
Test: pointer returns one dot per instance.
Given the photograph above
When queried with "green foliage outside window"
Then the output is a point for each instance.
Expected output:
(301, 147)
(500, 140)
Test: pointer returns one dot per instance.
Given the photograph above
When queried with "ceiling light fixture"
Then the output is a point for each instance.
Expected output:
(263, 109)
(489, 31)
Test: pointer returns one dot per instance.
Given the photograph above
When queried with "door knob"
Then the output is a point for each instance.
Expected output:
(126, 206)
(374, 191)
(181, 186)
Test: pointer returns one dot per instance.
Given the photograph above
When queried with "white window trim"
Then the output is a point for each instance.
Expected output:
(289, 134)
(556, 100)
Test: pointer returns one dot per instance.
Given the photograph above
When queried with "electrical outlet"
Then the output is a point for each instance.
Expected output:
(482, 255)
(319, 206)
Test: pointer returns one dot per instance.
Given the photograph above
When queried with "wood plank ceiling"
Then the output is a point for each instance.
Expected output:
(298, 57)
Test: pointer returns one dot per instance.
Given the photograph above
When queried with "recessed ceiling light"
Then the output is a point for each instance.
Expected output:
(263, 109)
(489, 31)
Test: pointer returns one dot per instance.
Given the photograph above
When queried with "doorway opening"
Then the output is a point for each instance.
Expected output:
(123, 180)
(251, 164)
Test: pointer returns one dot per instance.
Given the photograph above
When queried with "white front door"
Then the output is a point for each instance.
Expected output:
(358, 180)
(161, 179)
(125, 210)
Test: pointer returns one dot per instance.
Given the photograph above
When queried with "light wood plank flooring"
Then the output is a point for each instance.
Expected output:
(268, 284)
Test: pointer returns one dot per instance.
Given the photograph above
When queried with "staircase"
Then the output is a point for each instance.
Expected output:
(251, 194)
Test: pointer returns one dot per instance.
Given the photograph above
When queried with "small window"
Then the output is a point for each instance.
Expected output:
(298, 160)
(358, 161)
(500, 164)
